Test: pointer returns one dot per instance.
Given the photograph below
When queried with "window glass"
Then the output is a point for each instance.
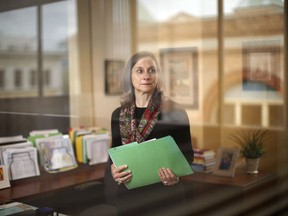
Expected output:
(2, 78)
(253, 63)
(18, 79)
(183, 34)
(55, 48)
(32, 74)
(18, 49)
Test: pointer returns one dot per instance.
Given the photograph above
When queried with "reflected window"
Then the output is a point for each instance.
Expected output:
(32, 78)
(2, 78)
(183, 34)
(19, 49)
(34, 55)
(47, 78)
(55, 47)
(253, 63)
(18, 78)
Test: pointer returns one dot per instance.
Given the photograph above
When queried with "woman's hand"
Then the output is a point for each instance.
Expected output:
(119, 175)
(167, 176)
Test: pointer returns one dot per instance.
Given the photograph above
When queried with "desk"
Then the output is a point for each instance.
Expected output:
(47, 182)
(207, 194)
(215, 195)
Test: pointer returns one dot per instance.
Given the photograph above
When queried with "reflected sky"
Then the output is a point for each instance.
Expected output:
(13, 22)
(55, 25)
(161, 10)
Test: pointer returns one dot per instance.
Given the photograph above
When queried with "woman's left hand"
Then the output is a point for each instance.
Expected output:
(167, 176)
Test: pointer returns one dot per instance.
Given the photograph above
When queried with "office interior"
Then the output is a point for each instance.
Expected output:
(225, 61)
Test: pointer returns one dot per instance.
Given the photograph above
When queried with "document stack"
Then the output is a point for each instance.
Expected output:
(19, 156)
(90, 144)
(55, 150)
(204, 160)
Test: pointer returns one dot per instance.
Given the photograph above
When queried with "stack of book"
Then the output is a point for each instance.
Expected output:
(204, 160)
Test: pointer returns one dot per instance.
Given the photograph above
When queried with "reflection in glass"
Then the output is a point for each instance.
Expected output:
(32, 78)
(2, 78)
(18, 78)
(18, 47)
(184, 24)
(253, 63)
(55, 48)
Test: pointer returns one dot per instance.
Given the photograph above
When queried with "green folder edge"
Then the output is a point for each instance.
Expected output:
(145, 160)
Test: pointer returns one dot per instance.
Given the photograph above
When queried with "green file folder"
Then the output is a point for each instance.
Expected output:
(145, 160)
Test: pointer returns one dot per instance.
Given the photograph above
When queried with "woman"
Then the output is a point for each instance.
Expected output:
(145, 114)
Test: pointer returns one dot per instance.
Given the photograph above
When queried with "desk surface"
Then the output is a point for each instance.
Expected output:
(241, 178)
(47, 182)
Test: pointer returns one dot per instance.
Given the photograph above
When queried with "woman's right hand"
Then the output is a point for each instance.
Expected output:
(119, 175)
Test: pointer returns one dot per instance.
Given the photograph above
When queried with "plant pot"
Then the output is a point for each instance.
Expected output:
(252, 165)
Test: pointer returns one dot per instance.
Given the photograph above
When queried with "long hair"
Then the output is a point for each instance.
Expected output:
(128, 96)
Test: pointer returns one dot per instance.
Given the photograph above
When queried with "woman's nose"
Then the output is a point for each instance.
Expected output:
(146, 74)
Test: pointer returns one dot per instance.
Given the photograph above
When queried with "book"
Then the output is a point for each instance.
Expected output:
(145, 159)
(204, 160)
(204, 153)
(202, 168)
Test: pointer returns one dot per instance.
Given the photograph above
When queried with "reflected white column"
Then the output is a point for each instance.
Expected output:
(265, 115)
(238, 114)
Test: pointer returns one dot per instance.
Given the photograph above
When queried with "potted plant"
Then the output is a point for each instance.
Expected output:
(251, 147)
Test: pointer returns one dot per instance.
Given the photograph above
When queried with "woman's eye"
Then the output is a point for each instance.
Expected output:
(139, 71)
(152, 70)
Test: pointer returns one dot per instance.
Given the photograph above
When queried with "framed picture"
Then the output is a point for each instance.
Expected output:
(113, 75)
(261, 65)
(226, 159)
(180, 70)
(4, 177)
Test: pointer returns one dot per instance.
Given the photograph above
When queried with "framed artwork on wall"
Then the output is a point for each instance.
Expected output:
(180, 70)
(261, 65)
(113, 76)
(226, 159)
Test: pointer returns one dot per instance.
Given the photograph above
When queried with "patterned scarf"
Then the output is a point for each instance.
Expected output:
(128, 123)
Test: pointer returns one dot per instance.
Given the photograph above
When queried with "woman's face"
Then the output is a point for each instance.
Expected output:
(144, 76)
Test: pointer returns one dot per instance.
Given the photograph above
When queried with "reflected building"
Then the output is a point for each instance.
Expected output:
(19, 74)
(253, 66)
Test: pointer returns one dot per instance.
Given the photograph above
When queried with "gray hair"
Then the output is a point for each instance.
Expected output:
(128, 90)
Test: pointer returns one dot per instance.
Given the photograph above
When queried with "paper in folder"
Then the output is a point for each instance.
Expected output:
(145, 159)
